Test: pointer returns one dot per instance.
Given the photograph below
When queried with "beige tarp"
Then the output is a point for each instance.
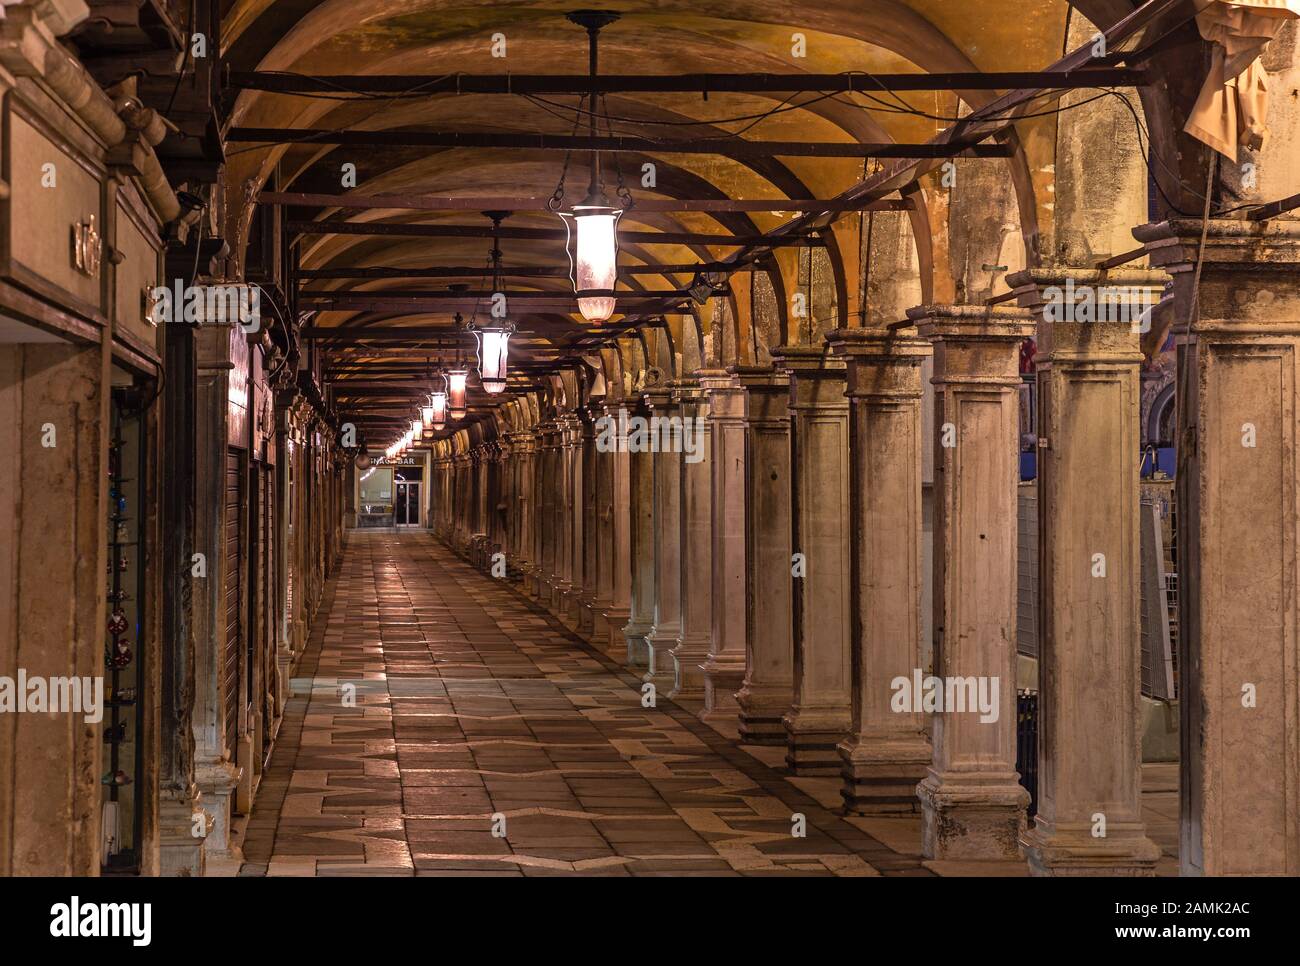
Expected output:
(1231, 107)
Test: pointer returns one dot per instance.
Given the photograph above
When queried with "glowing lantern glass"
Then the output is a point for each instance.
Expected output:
(426, 416)
(493, 351)
(456, 392)
(417, 430)
(438, 408)
(592, 244)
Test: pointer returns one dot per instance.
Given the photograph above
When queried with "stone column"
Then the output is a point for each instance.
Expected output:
(588, 541)
(1089, 564)
(641, 516)
(973, 805)
(217, 773)
(666, 528)
(1238, 497)
(53, 508)
(180, 851)
(696, 541)
(526, 447)
(887, 751)
(569, 519)
(546, 538)
(724, 668)
(616, 557)
(767, 691)
(819, 717)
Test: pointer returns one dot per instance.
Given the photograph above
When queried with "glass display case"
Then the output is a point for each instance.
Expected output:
(120, 816)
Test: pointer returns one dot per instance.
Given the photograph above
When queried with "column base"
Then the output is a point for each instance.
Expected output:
(688, 675)
(247, 779)
(971, 816)
(598, 636)
(762, 713)
(217, 782)
(180, 850)
(562, 601)
(722, 679)
(1073, 851)
(659, 659)
(636, 650)
(614, 642)
(812, 740)
(880, 774)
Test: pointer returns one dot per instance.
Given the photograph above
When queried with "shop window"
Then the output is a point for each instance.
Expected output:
(375, 497)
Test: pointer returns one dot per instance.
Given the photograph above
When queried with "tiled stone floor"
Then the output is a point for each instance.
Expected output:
(435, 703)
(470, 703)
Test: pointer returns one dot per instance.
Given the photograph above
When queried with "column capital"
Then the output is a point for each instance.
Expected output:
(659, 397)
(759, 378)
(807, 361)
(1088, 314)
(816, 377)
(977, 337)
(725, 396)
(1249, 273)
(880, 363)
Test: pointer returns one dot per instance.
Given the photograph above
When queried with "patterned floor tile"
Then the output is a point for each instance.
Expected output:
(443, 724)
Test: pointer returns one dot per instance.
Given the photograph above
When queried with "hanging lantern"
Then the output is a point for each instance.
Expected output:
(591, 226)
(493, 349)
(417, 430)
(592, 243)
(426, 415)
(493, 337)
(456, 392)
(438, 409)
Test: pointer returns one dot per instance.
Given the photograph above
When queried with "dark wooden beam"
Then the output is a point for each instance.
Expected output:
(484, 294)
(737, 148)
(339, 226)
(521, 271)
(697, 83)
(426, 203)
(398, 332)
(552, 302)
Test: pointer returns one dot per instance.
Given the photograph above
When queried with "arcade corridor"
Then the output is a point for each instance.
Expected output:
(473, 703)
(851, 438)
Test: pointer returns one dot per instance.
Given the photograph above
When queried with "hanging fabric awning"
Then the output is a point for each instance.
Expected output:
(1230, 110)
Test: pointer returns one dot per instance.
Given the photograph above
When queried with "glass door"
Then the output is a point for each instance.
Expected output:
(407, 509)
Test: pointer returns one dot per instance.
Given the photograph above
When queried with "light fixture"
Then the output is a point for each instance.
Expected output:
(494, 337)
(705, 285)
(438, 408)
(591, 226)
(417, 430)
(456, 392)
(493, 347)
(457, 376)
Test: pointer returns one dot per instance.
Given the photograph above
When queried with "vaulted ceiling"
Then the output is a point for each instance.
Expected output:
(436, 38)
